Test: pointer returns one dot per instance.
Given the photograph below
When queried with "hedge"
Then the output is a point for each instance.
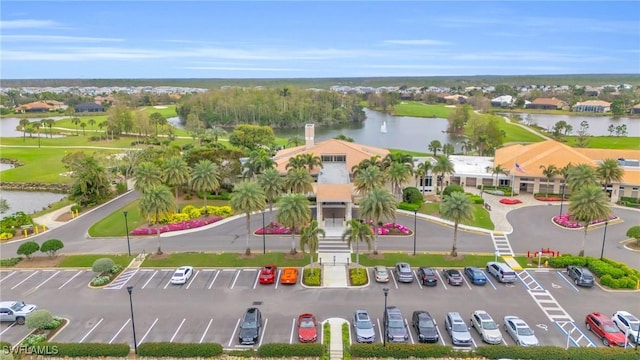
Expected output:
(311, 276)
(288, 350)
(4, 345)
(611, 273)
(358, 276)
(180, 350)
(90, 349)
(555, 353)
(408, 206)
(403, 351)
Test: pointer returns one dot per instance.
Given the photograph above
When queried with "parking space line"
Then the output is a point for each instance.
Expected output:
(393, 276)
(293, 329)
(417, 279)
(234, 281)
(440, 336)
(20, 283)
(119, 331)
(566, 280)
(489, 280)
(90, 331)
(380, 330)
(49, 278)
(467, 283)
(193, 278)
(8, 276)
(9, 327)
(233, 335)
(148, 281)
(214, 280)
(148, 331)
(406, 323)
(68, 281)
(474, 343)
(255, 282)
(264, 330)
(205, 331)
(167, 284)
(441, 281)
(278, 277)
(177, 330)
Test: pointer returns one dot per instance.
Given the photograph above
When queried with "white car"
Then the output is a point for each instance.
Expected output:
(182, 275)
(486, 327)
(519, 331)
(628, 324)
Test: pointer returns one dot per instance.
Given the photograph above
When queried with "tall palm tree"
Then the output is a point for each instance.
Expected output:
(205, 177)
(247, 197)
(587, 204)
(259, 161)
(176, 173)
(272, 184)
(156, 203)
(497, 170)
(368, 179)
(398, 174)
(310, 236)
(293, 212)
(296, 162)
(147, 174)
(49, 123)
(448, 149)
(421, 172)
(215, 133)
(443, 167)
(467, 146)
(456, 207)
(76, 122)
(312, 161)
(298, 181)
(357, 232)
(434, 146)
(23, 126)
(379, 204)
(374, 160)
(549, 172)
(609, 171)
(397, 157)
(580, 176)
(83, 125)
(295, 140)
(91, 123)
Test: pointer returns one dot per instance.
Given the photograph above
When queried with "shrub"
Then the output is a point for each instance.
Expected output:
(33, 339)
(91, 349)
(634, 232)
(54, 324)
(402, 351)
(166, 349)
(566, 260)
(554, 353)
(178, 217)
(28, 248)
(6, 236)
(10, 231)
(346, 343)
(452, 188)
(611, 273)
(103, 265)
(51, 246)
(408, 206)
(412, 195)
(38, 319)
(100, 280)
(279, 350)
(116, 269)
(10, 262)
(77, 208)
(477, 199)
(311, 276)
(121, 187)
(358, 276)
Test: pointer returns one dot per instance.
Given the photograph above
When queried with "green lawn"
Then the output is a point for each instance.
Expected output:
(225, 260)
(432, 260)
(515, 133)
(607, 142)
(412, 153)
(76, 261)
(481, 217)
(418, 109)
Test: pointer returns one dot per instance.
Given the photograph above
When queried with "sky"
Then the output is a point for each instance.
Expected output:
(315, 39)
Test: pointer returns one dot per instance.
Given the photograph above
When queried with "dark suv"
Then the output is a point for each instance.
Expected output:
(395, 328)
(580, 276)
(427, 276)
(425, 326)
(250, 327)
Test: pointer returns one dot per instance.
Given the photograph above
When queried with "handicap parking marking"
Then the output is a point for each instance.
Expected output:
(148, 331)
(49, 278)
(233, 335)
(205, 331)
(441, 281)
(561, 276)
(293, 330)
(25, 279)
(417, 279)
(121, 280)
(91, 330)
(177, 330)
(120, 330)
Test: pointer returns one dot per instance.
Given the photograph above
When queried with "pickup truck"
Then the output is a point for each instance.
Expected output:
(15, 311)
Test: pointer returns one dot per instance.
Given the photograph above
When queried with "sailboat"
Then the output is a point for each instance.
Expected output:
(383, 127)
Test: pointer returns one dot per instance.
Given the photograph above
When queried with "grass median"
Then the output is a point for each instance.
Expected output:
(86, 261)
(201, 259)
(481, 217)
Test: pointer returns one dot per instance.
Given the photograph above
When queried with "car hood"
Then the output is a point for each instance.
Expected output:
(366, 333)
(493, 334)
(530, 340)
(397, 332)
(307, 333)
(248, 333)
(428, 332)
(462, 335)
(28, 308)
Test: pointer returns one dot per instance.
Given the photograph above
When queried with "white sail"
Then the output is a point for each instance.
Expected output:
(383, 127)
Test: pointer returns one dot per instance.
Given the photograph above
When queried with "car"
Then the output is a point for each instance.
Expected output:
(581, 276)
(395, 329)
(15, 311)
(268, 274)
(404, 272)
(519, 331)
(501, 271)
(381, 274)
(475, 275)
(486, 327)
(628, 324)
(425, 326)
(452, 276)
(250, 327)
(363, 327)
(427, 276)
(457, 329)
(605, 329)
(289, 276)
(307, 328)
(182, 275)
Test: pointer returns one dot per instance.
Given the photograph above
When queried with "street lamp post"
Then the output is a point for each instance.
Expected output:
(264, 242)
(415, 229)
(604, 237)
(562, 198)
(126, 227)
(384, 336)
(133, 322)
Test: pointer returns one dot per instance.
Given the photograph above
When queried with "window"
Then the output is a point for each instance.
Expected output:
(333, 158)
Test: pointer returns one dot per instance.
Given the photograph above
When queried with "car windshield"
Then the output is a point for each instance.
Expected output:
(425, 324)
(178, 273)
(489, 325)
(610, 328)
(249, 325)
(454, 274)
(306, 323)
(396, 324)
(525, 331)
(635, 326)
(17, 306)
(382, 272)
(478, 274)
(459, 327)
(363, 324)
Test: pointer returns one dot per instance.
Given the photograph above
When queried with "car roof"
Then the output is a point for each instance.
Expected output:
(403, 264)
(600, 316)
(453, 271)
(427, 269)
(626, 315)
(184, 268)
(455, 316)
(423, 314)
(380, 268)
(362, 315)
(483, 315)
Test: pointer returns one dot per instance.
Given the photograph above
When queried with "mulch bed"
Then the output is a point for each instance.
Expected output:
(40, 262)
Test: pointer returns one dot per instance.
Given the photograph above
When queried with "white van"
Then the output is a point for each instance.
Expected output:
(501, 271)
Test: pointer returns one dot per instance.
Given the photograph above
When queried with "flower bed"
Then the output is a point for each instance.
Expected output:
(275, 228)
(392, 229)
(510, 201)
(565, 220)
(183, 225)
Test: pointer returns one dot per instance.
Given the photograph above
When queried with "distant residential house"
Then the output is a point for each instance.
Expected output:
(597, 106)
(547, 104)
(89, 107)
(37, 106)
(635, 110)
(101, 99)
(57, 105)
(502, 101)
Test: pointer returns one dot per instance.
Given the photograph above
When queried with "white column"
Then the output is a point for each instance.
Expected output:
(320, 216)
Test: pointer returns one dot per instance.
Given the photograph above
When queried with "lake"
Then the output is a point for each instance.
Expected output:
(8, 126)
(598, 125)
(29, 201)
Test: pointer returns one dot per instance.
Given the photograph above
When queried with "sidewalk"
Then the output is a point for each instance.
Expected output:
(49, 219)
(336, 351)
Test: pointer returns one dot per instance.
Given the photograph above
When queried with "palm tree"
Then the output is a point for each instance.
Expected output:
(293, 212)
(581, 175)
(147, 174)
(76, 121)
(434, 146)
(104, 124)
(443, 167)
(377, 205)
(259, 161)
(448, 149)
(357, 232)
(272, 184)
(497, 170)
(157, 120)
(83, 125)
(49, 123)
(549, 172)
(23, 126)
(215, 133)
(299, 181)
(156, 203)
(393, 158)
(456, 207)
(374, 160)
(296, 162)
(467, 146)
(309, 236)
(421, 172)
(295, 140)
(91, 122)
(205, 177)
(176, 173)
(285, 93)
(587, 204)
(398, 174)
(609, 171)
(312, 161)
(368, 179)
(247, 197)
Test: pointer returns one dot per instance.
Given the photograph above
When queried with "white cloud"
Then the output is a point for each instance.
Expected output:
(55, 39)
(417, 42)
(27, 24)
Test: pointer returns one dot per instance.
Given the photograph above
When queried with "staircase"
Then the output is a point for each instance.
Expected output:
(331, 248)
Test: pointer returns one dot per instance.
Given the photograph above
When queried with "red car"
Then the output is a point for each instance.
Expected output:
(307, 328)
(268, 274)
(606, 329)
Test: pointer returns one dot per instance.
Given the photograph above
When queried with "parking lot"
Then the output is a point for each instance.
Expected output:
(209, 306)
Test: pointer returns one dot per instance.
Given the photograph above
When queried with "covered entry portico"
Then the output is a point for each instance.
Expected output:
(335, 206)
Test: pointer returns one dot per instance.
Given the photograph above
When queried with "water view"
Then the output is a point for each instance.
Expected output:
(29, 201)
(8, 126)
(598, 125)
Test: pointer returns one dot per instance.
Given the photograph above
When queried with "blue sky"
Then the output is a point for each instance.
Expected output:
(310, 39)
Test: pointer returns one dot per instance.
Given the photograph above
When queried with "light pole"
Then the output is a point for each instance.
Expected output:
(133, 322)
(604, 237)
(562, 198)
(126, 227)
(264, 242)
(415, 229)
(384, 336)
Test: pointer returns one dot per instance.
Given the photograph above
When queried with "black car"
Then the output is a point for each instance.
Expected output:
(427, 276)
(394, 325)
(250, 327)
(581, 276)
(425, 327)
(452, 277)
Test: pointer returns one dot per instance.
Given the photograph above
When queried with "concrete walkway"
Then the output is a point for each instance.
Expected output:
(334, 276)
(336, 351)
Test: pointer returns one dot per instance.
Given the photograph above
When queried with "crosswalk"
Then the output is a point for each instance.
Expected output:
(122, 280)
(501, 244)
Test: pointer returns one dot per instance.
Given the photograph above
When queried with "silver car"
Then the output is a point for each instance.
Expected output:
(486, 327)
(15, 311)
(457, 329)
(363, 327)
(519, 331)
(381, 274)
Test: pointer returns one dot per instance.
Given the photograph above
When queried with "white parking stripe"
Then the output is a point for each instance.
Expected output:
(234, 281)
(214, 279)
(406, 323)
(8, 276)
(148, 281)
(233, 335)
(49, 278)
(489, 279)
(9, 327)
(380, 330)
(205, 331)
(417, 278)
(90, 331)
(177, 330)
(441, 281)
(193, 278)
(264, 329)
(68, 281)
(148, 331)
(440, 336)
(20, 283)
(466, 282)
(474, 343)
(293, 329)
(278, 277)
(167, 284)
(566, 280)
(393, 276)
(119, 331)
(255, 282)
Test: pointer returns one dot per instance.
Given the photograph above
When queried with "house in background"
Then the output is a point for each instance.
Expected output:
(597, 106)
(502, 101)
(89, 107)
(57, 105)
(547, 104)
(37, 106)
(635, 110)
